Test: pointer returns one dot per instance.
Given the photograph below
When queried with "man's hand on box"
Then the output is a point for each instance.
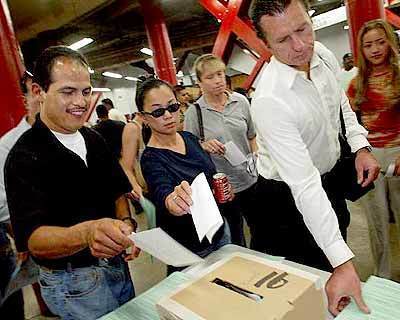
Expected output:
(343, 284)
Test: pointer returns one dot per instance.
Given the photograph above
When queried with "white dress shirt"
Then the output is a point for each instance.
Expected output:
(74, 142)
(116, 115)
(297, 124)
(7, 141)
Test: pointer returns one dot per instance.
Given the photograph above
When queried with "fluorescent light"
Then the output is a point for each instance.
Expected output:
(101, 89)
(147, 51)
(180, 74)
(132, 78)
(91, 70)
(81, 43)
(246, 51)
(346, 27)
(329, 18)
(311, 12)
(112, 75)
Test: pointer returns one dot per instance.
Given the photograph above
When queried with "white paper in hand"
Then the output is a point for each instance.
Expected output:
(233, 154)
(160, 245)
(205, 213)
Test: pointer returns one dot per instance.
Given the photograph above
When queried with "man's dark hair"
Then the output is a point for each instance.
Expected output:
(101, 111)
(262, 8)
(45, 62)
(108, 101)
(179, 88)
(22, 83)
(348, 55)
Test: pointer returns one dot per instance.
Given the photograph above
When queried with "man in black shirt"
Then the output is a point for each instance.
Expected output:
(73, 220)
(110, 130)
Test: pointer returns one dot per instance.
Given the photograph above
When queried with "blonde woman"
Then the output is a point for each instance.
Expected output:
(375, 94)
(226, 118)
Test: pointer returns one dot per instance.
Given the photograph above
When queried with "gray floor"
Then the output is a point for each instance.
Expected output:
(146, 271)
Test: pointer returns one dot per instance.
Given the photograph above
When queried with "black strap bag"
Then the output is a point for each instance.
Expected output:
(343, 177)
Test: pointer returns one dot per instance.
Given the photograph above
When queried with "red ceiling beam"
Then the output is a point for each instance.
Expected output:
(11, 68)
(239, 26)
(392, 18)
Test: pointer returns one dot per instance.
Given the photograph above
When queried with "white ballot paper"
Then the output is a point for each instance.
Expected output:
(233, 154)
(160, 245)
(205, 213)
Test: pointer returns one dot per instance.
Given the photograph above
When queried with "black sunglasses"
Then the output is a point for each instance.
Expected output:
(173, 107)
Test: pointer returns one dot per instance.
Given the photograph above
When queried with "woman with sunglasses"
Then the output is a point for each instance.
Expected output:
(170, 162)
(226, 118)
(375, 94)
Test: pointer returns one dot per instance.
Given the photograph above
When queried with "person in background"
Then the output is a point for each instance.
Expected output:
(132, 150)
(113, 113)
(184, 98)
(110, 130)
(296, 109)
(170, 163)
(375, 95)
(226, 118)
(66, 196)
(348, 72)
(14, 304)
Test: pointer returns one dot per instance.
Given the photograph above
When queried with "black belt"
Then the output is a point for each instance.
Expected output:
(65, 265)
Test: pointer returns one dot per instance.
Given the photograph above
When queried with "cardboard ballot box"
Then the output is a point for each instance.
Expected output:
(247, 287)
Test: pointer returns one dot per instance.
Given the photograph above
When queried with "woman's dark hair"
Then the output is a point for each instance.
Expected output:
(144, 87)
(44, 64)
(262, 8)
(141, 92)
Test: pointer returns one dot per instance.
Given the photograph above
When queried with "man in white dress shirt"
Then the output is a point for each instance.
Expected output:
(296, 113)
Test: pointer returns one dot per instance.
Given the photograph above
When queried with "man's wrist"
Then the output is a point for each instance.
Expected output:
(364, 149)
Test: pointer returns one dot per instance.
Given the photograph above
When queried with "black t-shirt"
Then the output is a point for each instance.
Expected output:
(49, 185)
(164, 169)
(111, 131)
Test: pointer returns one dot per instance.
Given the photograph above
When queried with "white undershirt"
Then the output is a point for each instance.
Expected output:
(73, 142)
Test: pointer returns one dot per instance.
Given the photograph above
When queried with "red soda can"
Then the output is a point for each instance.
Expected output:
(221, 187)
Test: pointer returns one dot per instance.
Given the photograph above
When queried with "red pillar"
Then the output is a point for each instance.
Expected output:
(157, 34)
(12, 104)
(359, 12)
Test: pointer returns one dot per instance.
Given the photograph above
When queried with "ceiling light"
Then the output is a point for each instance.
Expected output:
(246, 51)
(180, 74)
(81, 43)
(346, 27)
(112, 75)
(329, 18)
(101, 89)
(91, 70)
(132, 78)
(311, 12)
(147, 51)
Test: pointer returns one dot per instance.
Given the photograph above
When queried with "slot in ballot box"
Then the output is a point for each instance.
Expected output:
(243, 286)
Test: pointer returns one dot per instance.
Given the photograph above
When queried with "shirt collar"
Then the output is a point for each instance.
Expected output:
(291, 73)
(232, 97)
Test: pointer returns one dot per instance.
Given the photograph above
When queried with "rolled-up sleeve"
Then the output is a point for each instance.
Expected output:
(279, 131)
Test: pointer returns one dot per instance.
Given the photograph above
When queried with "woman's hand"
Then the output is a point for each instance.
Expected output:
(214, 146)
(179, 201)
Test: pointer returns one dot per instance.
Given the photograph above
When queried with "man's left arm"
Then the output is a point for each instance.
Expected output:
(122, 212)
(366, 165)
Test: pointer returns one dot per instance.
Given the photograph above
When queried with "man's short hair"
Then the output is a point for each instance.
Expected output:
(262, 8)
(101, 111)
(179, 88)
(45, 62)
(24, 79)
(108, 101)
(347, 55)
